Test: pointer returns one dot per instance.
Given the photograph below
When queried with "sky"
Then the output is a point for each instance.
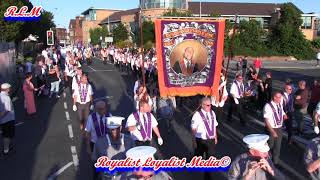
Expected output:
(64, 10)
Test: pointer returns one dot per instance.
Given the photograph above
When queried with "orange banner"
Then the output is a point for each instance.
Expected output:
(189, 56)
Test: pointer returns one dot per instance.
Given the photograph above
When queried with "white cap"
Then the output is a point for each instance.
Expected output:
(5, 86)
(257, 142)
(141, 152)
(114, 122)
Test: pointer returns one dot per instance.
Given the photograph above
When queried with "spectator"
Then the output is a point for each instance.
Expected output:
(318, 59)
(300, 105)
(28, 89)
(268, 86)
(244, 66)
(257, 64)
(315, 97)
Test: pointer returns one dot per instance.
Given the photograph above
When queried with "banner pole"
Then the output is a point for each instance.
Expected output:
(231, 47)
(142, 49)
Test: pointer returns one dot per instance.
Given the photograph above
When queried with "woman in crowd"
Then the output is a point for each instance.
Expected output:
(28, 89)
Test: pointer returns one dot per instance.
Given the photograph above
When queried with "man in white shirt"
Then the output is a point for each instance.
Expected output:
(237, 92)
(204, 128)
(96, 126)
(317, 118)
(7, 117)
(140, 125)
(76, 79)
(69, 71)
(218, 102)
(82, 100)
(274, 116)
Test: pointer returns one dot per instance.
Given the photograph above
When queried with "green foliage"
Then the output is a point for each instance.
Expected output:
(120, 33)
(17, 31)
(10, 30)
(124, 44)
(148, 31)
(287, 38)
(176, 13)
(96, 33)
(316, 43)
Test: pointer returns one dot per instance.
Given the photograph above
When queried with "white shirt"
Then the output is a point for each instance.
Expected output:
(318, 109)
(131, 121)
(6, 105)
(234, 90)
(186, 62)
(198, 124)
(44, 53)
(135, 88)
(69, 70)
(89, 93)
(74, 82)
(318, 55)
(91, 129)
(137, 101)
(269, 115)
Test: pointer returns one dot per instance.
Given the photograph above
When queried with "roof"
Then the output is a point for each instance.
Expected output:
(226, 8)
(92, 8)
(116, 17)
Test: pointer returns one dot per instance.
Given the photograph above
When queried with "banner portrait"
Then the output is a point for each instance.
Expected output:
(189, 56)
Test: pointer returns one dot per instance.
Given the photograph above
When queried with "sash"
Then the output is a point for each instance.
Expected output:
(184, 69)
(239, 90)
(277, 117)
(83, 93)
(144, 130)
(97, 127)
(210, 131)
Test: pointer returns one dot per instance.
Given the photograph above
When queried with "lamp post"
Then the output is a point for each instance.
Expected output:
(141, 46)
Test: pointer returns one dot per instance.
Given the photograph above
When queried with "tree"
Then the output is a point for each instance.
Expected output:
(9, 31)
(148, 34)
(286, 36)
(250, 34)
(96, 33)
(120, 33)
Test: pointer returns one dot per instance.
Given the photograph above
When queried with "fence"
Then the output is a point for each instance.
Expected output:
(7, 62)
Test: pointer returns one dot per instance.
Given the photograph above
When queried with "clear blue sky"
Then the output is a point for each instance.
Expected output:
(64, 10)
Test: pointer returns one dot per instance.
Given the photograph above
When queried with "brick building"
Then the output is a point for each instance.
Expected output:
(75, 30)
(265, 13)
(61, 35)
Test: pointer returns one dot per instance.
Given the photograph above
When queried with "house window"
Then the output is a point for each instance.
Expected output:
(306, 22)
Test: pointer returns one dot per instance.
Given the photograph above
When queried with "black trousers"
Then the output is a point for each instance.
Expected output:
(83, 112)
(219, 113)
(68, 84)
(142, 143)
(275, 145)
(288, 124)
(238, 108)
(205, 148)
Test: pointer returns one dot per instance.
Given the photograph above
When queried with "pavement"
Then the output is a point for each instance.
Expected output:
(51, 146)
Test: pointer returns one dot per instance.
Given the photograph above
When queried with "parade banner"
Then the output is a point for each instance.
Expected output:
(189, 56)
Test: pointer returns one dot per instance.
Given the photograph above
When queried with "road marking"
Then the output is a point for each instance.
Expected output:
(92, 68)
(53, 176)
(65, 105)
(105, 70)
(18, 124)
(67, 116)
(74, 156)
(70, 131)
(102, 98)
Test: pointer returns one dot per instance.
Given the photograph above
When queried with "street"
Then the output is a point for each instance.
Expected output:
(51, 145)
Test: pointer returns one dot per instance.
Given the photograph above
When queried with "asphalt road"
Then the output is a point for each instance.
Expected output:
(51, 145)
